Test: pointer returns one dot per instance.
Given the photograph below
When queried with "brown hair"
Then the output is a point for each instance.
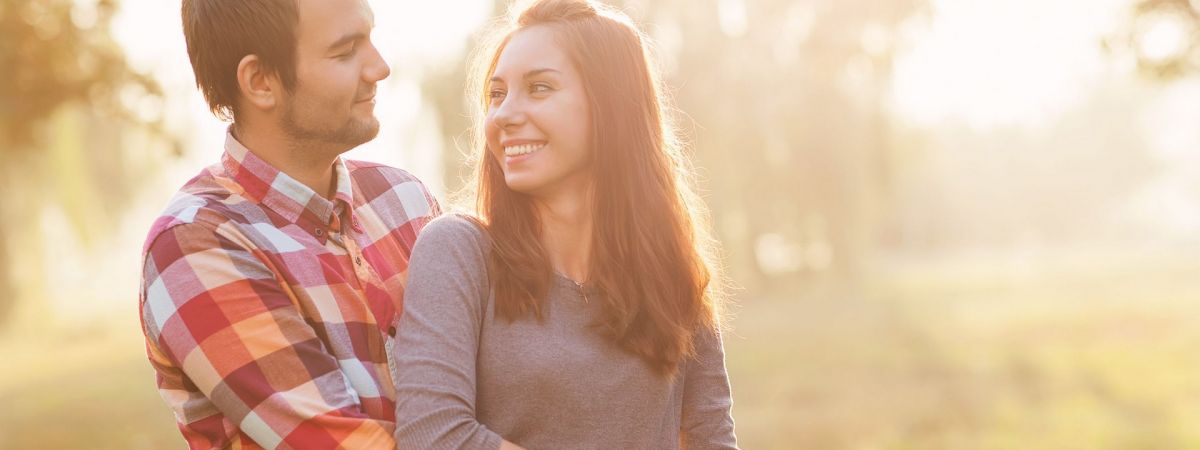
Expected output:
(220, 33)
(651, 257)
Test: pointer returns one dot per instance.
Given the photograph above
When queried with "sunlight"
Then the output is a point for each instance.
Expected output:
(1162, 36)
(942, 223)
(991, 64)
(732, 16)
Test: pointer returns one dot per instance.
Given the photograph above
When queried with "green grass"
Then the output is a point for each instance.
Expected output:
(1062, 359)
(925, 358)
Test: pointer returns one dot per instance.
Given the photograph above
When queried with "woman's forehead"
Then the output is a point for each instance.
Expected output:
(531, 49)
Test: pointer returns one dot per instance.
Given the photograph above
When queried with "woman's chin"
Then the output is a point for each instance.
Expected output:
(520, 184)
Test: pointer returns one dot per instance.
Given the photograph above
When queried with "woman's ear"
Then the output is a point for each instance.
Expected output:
(258, 86)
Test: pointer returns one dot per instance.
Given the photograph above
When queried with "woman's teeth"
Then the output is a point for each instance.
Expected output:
(518, 150)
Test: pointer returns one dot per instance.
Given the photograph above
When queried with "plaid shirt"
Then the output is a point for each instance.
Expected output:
(266, 307)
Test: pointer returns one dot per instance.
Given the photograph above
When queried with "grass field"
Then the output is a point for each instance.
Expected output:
(928, 357)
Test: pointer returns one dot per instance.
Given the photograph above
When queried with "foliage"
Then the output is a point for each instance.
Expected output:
(67, 96)
(55, 53)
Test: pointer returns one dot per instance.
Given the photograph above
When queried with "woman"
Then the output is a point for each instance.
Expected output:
(576, 310)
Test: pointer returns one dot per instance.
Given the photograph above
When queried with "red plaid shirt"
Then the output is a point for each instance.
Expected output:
(266, 307)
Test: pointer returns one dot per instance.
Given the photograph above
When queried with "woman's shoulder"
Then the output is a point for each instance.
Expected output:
(454, 230)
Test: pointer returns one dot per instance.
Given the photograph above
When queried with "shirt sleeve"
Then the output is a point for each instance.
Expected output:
(435, 208)
(707, 422)
(438, 339)
(235, 358)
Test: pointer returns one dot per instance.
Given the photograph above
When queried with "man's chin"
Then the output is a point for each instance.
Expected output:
(356, 133)
(358, 130)
(370, 130)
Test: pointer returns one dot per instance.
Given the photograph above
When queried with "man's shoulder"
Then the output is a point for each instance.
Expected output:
(368, 174)
(376, 183)
(201, 203)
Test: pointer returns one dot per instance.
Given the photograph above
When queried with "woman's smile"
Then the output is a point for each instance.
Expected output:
(518, 152)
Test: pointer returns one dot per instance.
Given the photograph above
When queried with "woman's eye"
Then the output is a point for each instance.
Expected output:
(495, 94)
(539, 88)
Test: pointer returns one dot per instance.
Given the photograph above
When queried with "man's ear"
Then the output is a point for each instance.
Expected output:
(259, 87)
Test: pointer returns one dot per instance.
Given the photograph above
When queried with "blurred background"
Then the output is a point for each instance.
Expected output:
(959, 224)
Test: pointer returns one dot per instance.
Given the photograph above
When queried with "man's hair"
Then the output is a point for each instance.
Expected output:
(219, 33)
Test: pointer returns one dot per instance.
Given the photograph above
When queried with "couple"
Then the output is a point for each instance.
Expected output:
(295, 299)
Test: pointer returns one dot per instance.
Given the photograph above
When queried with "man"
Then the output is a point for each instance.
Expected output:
(273, 278)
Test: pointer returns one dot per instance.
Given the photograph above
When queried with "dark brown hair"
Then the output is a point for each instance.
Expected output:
(652, 253)
(219, 33)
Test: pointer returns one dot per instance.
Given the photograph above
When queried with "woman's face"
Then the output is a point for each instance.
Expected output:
(538, 119)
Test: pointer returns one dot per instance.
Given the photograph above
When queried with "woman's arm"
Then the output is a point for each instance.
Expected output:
(707, 422)
(437, 339)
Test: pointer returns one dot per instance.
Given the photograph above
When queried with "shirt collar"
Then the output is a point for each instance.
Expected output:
(264, 184)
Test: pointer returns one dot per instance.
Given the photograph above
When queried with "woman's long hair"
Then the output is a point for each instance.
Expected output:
(652, 258)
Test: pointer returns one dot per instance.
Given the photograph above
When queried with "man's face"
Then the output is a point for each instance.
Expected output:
(337, 68)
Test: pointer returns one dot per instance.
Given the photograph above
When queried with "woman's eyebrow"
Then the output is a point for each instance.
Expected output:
(536, 72)
(528, 75)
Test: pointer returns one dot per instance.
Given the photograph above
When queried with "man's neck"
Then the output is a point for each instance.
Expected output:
(305, 162)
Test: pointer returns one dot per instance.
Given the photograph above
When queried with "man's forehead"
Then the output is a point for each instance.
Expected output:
(353, 6)
(327, 20)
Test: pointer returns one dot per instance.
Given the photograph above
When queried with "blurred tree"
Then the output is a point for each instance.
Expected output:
(787, 104)
(66, 92)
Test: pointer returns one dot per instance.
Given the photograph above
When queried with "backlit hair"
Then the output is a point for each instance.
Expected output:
(652, 251)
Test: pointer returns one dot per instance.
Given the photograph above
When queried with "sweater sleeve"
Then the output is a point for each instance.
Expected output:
(438, 338)
(707, 422)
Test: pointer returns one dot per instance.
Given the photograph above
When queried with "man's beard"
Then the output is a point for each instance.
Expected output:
(351, 133)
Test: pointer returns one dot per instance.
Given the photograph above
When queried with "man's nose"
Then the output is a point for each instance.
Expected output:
(377, 68)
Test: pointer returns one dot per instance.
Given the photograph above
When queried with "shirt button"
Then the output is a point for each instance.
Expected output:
(319, 232)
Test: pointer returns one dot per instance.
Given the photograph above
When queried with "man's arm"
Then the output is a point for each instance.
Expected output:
(217, 321)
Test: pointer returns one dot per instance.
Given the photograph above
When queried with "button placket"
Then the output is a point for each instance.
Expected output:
(355, 253)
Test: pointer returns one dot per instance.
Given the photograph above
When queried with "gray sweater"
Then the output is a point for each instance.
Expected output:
(467, 379)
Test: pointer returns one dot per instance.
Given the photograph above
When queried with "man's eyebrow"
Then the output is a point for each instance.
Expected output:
(347, 39)
(529, 74)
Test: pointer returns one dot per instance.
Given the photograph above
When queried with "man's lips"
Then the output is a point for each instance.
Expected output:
(367, 98)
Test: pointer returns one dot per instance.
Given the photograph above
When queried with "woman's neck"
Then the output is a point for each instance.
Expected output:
(566, 222)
